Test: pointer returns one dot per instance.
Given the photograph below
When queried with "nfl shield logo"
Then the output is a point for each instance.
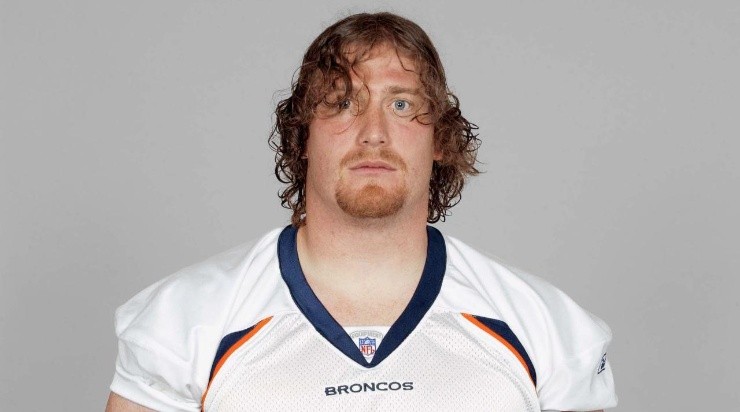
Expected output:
(367, 346)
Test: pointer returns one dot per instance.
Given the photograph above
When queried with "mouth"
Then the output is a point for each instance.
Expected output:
(373, 166)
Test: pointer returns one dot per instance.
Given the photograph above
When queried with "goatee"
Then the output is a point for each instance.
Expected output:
(372, 200)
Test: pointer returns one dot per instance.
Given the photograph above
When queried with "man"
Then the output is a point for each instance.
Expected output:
(358, 304)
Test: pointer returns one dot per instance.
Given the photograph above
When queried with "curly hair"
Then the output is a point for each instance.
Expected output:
(326, 68)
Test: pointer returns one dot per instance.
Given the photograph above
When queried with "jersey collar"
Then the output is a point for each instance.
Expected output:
(423, 298)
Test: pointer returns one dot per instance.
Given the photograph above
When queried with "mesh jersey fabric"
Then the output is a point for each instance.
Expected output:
(428, 363)
(486, 337)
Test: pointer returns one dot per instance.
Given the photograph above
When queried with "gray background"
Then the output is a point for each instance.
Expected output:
(134, 143)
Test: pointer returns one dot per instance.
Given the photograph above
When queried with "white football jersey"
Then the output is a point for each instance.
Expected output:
(244, 331)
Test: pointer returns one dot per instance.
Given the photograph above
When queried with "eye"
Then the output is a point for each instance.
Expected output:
(401, 105)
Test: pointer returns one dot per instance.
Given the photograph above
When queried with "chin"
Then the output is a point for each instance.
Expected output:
(371, 201)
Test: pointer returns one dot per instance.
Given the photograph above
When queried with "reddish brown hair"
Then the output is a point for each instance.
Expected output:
(327, 66)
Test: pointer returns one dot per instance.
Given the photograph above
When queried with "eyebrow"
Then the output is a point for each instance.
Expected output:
(400, 90)
(392, 89)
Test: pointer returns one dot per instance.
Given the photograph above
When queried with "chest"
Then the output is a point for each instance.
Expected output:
(442, 365)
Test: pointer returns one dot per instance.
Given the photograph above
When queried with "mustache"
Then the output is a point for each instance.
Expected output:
(384, 154)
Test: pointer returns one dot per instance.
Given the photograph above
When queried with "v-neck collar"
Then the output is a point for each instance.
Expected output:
(424, 295)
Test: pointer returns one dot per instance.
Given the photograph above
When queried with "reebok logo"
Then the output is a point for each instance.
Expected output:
(602, 365)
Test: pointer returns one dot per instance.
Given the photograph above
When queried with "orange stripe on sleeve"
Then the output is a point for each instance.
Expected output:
(499, 338)
(231, 350)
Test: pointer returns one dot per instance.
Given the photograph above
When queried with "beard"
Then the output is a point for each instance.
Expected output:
(372, 200)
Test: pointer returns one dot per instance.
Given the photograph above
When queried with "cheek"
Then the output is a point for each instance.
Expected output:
(418, 144)
(323, 155)
(319, 165)
(315, 145)
(424, 157)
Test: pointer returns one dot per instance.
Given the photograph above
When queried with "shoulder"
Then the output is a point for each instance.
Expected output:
(169, 332)
(565, 342)
(196, 292)
(486, 286)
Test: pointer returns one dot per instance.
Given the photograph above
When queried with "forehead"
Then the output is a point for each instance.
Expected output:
(382, 63)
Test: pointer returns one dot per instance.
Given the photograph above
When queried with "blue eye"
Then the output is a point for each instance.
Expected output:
(401, 105)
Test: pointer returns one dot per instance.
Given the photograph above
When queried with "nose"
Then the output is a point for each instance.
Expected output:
(373, 129)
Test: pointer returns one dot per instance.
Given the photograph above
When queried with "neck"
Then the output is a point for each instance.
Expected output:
(356, 248)
(347, 260)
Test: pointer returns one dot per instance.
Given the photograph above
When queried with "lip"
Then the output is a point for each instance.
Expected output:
(373, 166)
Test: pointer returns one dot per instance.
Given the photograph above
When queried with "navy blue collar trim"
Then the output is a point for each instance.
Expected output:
(423, 298)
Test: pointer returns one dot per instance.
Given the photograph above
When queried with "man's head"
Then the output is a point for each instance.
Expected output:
(370, 121)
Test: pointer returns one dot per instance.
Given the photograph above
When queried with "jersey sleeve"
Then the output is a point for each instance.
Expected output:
(570, 349)
(161, 360)
(168, 334)
(579, 382)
